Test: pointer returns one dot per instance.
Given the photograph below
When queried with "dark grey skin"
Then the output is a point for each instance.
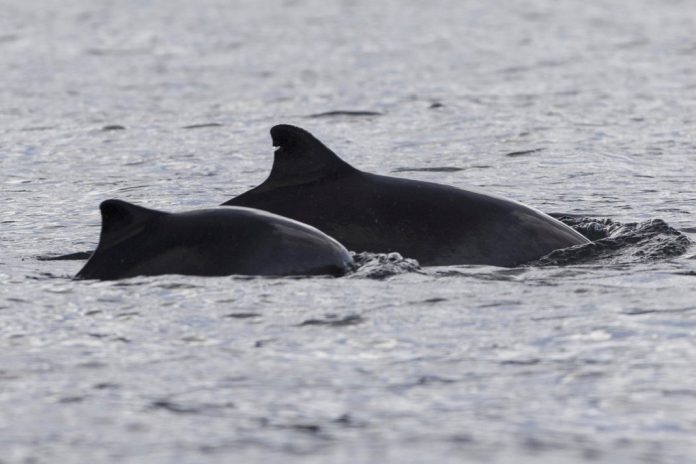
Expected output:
(436, 224)
(138, 241)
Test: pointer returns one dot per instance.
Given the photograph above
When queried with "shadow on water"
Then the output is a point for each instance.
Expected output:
(345, 113)
(79, 255)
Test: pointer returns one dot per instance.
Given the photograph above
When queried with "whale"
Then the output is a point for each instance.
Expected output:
(220, 241)
(436, 224)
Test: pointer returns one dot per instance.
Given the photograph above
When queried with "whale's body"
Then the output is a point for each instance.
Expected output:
(211, 242)
(434, 223)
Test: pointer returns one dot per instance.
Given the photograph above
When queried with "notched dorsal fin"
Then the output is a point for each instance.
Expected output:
(121, 220)
(300, 157)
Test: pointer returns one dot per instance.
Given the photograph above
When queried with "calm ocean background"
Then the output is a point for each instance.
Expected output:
(583, 108)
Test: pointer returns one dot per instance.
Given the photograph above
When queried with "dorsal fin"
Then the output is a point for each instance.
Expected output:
(300, 158)
(121, 220)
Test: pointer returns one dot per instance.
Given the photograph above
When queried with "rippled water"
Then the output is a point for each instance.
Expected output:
(578, 108)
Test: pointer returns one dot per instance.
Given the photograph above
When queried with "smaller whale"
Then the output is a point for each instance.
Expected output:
(137, 241)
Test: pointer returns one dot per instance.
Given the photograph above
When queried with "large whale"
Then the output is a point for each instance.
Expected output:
(211, 242)
(434, 223)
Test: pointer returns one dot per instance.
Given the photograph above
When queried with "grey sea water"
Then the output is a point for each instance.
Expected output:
(580, 108)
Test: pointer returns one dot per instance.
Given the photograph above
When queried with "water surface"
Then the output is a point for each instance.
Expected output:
(582, 108)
